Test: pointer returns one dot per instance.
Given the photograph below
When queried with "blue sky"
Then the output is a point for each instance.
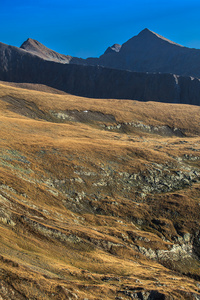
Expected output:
(87, 28)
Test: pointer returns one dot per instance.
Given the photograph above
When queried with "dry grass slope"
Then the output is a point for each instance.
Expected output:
(100, 199)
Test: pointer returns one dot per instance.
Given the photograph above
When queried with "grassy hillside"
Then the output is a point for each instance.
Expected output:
(100, 199)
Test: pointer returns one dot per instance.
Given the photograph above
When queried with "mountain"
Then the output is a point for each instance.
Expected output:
(150, 52)
(100, 199)
(42, 51)
(146, 52)
(19, 65)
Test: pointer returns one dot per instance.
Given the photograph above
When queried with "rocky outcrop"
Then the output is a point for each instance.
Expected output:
(161, 130)
(142, 294)
(114, 48)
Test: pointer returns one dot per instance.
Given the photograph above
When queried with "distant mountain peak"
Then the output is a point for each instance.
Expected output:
(145, 30)
(42, 51)
(29, 42)
(147, 33)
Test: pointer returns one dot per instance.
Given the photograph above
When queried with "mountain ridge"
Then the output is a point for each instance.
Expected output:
(37, 48)
(145, 52)
(90, 78)
(18, 65)
(150, 52)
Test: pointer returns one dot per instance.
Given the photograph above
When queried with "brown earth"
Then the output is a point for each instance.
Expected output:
(100, 199)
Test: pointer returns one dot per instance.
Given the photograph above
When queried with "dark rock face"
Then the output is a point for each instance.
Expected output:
(18, 65)
(146, 52)
(150, 52)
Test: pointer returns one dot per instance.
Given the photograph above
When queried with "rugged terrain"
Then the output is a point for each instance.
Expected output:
(100, 199)
(148, 67)
(18, 65)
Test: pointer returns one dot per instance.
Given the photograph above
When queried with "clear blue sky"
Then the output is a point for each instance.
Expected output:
(87, 28)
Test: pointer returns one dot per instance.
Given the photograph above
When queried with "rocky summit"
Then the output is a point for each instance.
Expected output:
(150, 52)
(40, 50)
(100, 198)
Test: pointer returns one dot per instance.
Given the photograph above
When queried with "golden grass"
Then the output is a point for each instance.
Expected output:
(36, 261)
(153, 113)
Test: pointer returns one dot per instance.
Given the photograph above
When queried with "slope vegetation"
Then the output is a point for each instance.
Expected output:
(100, 199)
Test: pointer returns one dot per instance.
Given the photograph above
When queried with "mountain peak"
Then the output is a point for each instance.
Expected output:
(30, 40)
(36, 48)
(29, 43)
(146, 33)
(145, 30)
